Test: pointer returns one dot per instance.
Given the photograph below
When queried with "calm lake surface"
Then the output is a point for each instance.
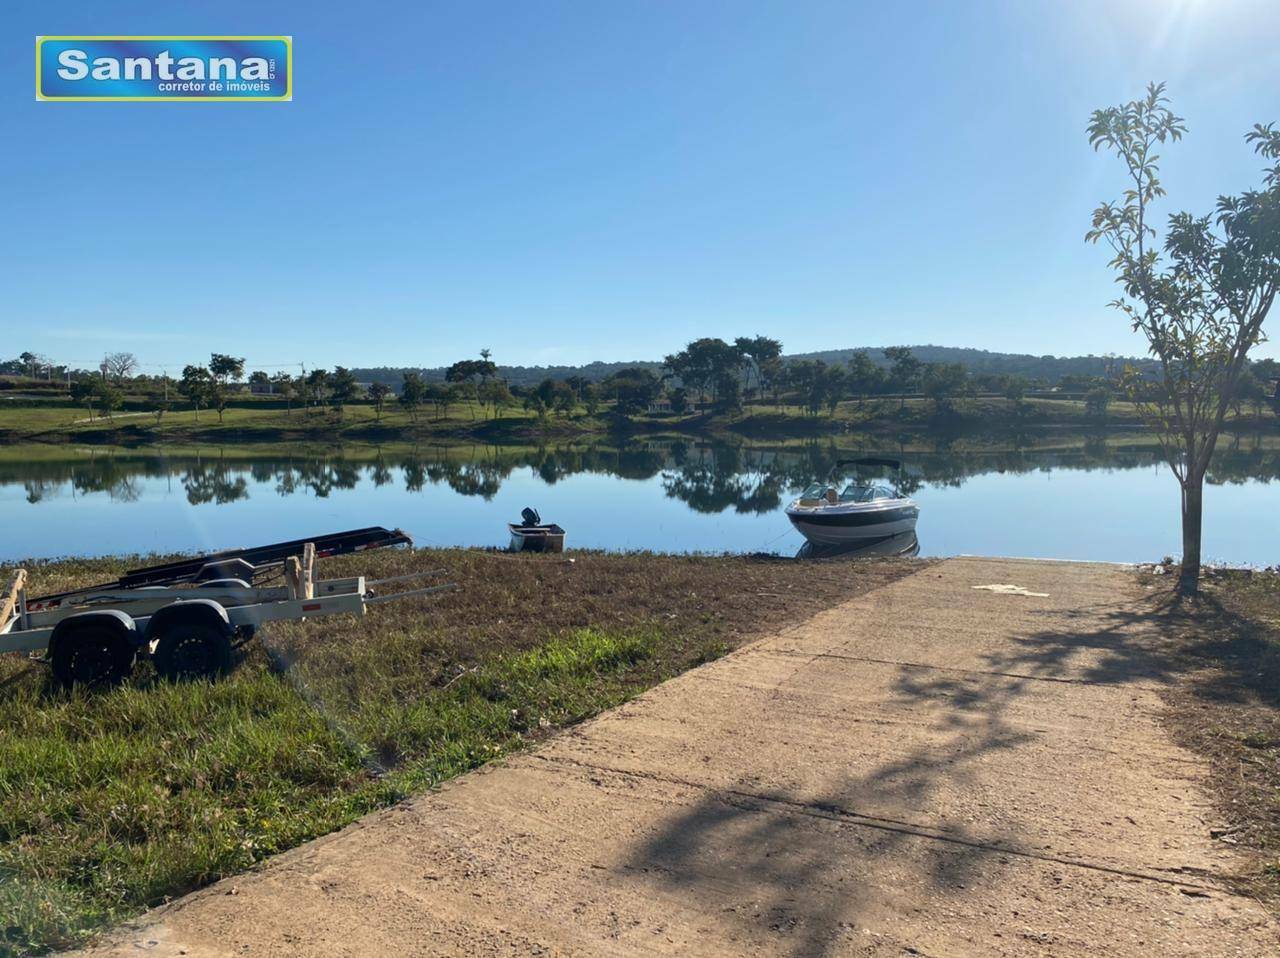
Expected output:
(1096, 500)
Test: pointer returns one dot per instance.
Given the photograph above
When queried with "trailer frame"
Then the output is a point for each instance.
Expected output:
(93, 636)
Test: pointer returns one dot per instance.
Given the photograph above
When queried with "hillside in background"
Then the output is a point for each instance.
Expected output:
(514, 375)
(1048, 368)
(980, 361)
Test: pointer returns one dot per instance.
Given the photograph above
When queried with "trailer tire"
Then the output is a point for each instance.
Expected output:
(192, 649)
(92, 654)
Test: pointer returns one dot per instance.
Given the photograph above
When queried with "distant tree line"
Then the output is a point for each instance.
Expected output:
(709, 375)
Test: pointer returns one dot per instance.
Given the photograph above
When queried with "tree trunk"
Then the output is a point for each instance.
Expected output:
(1192, 514)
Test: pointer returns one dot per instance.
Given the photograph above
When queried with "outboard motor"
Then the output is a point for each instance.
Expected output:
(530, 517)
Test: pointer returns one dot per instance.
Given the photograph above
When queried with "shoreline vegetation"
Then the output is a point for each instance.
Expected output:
(115, 801)
(884, 418)
(711, 387)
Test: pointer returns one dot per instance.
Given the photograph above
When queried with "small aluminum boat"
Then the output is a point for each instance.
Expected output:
(859, 511)
(533, 535)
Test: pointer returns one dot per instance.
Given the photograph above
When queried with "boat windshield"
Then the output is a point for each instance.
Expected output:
(815, 490)
(863, 492)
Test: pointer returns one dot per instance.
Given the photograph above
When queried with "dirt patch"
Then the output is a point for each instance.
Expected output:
(1226, 707)
(515, 602)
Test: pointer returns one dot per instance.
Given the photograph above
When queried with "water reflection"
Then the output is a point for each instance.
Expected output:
(707, 477)
(906, 545)
(666, 494)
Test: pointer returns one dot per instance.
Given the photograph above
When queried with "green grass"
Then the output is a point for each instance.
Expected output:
(116, 800)
(64, 421)
(113, 801)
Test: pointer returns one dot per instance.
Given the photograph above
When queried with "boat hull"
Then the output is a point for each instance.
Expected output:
(548, 538)
(837, 527)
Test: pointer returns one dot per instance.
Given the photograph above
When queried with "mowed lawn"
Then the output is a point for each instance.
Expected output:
(113, 801)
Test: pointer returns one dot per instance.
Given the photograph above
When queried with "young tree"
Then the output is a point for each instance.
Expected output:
(497, 394)
(1096, 401)
(546, 391)
(835, 386)
(85, 391)
(865, 377)
(1200, 298)
(439, 396)
(412, 392)
(195, 386)
(942, 384)
(904, 373)
(1267, 374)
(226, 369)
(218, 397)
(534, 403)
(1014, 389)
(378, 392)
(109, 397)
(343, 388)
(316, 387)
(591, 398)
(679, 398)
(286, 386)
(815, 383)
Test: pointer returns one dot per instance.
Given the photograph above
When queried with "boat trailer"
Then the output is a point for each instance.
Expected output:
(189, 616)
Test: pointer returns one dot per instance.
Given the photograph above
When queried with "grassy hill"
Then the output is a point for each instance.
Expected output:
(1049, 368)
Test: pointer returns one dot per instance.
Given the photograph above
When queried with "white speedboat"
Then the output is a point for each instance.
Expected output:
(849, 509)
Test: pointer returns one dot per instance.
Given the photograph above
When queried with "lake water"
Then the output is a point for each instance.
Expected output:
(1097, 501)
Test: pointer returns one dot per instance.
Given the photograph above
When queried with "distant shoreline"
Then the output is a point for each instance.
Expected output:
(993, 418)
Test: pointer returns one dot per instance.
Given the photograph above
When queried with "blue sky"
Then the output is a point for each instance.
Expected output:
(563, 182)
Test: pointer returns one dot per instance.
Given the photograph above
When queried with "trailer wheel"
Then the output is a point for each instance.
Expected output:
(191, 650)
(92, 655)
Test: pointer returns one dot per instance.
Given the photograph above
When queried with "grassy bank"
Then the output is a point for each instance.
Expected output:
(1226, 706)
(114, 801)
(467, 421)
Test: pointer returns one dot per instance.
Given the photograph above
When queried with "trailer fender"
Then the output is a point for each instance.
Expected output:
(93, 648)
(203, 611)
(109, 618)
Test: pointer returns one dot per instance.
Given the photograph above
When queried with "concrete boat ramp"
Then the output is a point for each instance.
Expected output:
(930, 769)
